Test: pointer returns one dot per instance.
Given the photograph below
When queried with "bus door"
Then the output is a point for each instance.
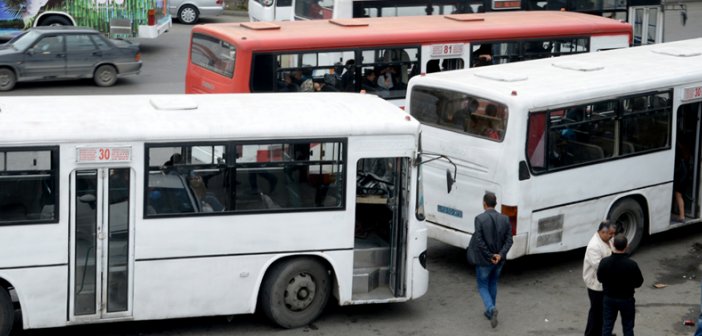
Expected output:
(445, 57)
(687, 157)
(380, 244)
(101, 261)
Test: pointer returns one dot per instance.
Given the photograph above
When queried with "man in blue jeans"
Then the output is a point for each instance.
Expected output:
(492, 242)
(620, 276)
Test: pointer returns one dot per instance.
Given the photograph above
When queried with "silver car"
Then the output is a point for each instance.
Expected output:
(189, 11)
(66, 52)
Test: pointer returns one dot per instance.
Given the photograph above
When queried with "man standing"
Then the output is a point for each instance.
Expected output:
(492, 242)
(619, 276)
(597, 249)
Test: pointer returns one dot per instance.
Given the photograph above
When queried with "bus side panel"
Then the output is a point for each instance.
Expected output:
(583, 208)
(33, 245)
(197, 286)
(242, 234)
(599, 43)
(42, 292)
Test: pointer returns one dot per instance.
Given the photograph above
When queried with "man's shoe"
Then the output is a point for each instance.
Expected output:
(493, 319)
(487, 315)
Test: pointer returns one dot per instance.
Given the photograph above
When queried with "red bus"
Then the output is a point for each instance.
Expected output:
(380, 55)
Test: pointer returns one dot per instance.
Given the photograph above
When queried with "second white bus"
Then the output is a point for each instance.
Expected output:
(116, 208)
(566, 143)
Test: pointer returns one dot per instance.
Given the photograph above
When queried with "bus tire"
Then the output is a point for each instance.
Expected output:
(105, 75)
(56, 20)
(628, 217)
(8, 79)
(295, 292)
(7, 313)
(188, 14)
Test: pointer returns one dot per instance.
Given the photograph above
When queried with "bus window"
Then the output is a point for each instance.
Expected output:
(213, 54)
(459, 112)
(264, 176)
(314, 9)
(28, 186)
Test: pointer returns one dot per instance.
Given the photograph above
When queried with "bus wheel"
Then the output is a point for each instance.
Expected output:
(295, 292)
(56, 21)
(629, 219)
(7, 313)
(105, 75)
(188, 14)
(7, 79)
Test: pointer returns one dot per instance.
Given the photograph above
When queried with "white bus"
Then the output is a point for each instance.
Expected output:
(124, 208)
(565, 143)
(289, 10)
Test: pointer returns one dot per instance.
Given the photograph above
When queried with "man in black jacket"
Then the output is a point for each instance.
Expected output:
(493, 239)
(619, 276)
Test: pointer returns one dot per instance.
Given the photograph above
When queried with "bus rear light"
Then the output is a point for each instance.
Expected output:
(151, 17)
(511, 212)
(219, 2)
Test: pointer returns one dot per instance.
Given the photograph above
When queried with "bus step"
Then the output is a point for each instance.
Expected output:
(368, 279)
(371, 257)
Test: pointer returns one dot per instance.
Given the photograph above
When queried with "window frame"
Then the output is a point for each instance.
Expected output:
(231, 165)
(620, 114)
(53, 172)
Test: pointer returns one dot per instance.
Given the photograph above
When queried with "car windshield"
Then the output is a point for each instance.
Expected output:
(22, 42)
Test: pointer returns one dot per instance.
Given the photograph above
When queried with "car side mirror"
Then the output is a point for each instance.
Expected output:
(30, 51)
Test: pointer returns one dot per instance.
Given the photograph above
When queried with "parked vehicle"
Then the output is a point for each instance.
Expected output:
(189, 11)
(66, 52)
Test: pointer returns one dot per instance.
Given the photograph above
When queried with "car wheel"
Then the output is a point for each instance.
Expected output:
(188, 14)
(7, 79)
(105, 75)
(56, 21)
(7, 313)
(295, 292)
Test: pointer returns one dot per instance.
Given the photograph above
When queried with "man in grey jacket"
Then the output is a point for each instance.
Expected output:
(492, 242)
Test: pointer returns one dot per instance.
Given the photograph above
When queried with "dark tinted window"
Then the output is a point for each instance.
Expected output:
(245, 177)
(213, 54)
(606, 129)
(28, 186)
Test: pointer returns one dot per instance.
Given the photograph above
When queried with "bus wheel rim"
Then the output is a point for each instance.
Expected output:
(300, 292)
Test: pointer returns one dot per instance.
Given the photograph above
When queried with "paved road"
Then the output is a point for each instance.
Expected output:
(539, 295)
(163, 70)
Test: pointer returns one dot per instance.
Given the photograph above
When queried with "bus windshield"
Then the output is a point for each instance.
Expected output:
(459, 112)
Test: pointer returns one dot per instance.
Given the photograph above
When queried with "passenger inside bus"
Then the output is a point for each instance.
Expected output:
(483, 55)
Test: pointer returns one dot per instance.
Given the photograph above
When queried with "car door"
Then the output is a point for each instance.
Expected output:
(45, 59)
(82, 56)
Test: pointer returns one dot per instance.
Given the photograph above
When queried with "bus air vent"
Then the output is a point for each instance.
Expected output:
(677, 52)
(172, 103)
(465, 17)
(349, 22)
(578, 66)
(260, 25)
(502, 76)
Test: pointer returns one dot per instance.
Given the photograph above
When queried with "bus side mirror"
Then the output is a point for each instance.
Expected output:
(450, 180)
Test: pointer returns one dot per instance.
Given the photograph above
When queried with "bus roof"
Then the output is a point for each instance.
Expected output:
(551, 82)
(67, 119)
(344, 33)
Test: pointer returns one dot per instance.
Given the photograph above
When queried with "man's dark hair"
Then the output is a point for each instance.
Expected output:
(620, 242)
(604, 225)
(490, 199)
